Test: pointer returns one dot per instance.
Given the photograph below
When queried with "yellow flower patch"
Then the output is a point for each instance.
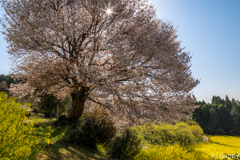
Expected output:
(171, 152)
(18, 140)
(220, 145)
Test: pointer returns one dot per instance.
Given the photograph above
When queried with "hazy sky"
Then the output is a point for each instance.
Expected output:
(210, 31)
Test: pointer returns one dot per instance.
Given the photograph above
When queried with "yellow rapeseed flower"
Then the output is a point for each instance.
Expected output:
(220, 145)
(18, 139)
(48, 141)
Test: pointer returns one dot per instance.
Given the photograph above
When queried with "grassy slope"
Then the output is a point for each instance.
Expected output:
(59, 149)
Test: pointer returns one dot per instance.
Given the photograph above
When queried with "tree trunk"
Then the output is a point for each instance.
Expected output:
(51, 111)
(57, 111)
(78, 100)
(51, 115)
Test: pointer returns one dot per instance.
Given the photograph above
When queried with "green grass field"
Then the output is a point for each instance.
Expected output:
(39, 118)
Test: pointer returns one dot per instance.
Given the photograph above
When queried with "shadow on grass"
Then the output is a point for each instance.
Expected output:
(61, 149)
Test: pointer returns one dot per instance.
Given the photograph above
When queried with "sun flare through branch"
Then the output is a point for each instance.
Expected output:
(109, 11)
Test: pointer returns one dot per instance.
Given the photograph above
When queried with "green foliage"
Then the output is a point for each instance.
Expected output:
(102, 149)
(3, 86)
(234, 102)
(224, 115)
(235, 117)
(217, 100)
(197, 116)
(125, 146)
(214, 122)
(196, 130)
(5, 82)
(216, 118)
(165, 134)
(93, 128)
(228, 103)
(205, 118)
(184, 135)
(17, 140)
(48, 104)
(7, 79)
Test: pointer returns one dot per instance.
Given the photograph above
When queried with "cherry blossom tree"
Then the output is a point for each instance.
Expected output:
(93, 49)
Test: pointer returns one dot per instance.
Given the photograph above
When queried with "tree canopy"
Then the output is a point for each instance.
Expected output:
(77, 48)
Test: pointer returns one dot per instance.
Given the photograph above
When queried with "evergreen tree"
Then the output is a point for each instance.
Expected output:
(203, 102)
(197, 116)
(238, 108)
(218, 100)
(214, 122)
(234, 102)
(205, 117)
(214, 100)
(224, 115)
(235, 119)
(228, 103)
(238, 102)
(215, 106)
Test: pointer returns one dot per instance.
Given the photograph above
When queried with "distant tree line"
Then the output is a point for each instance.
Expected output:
(5, 82)
(221, 117)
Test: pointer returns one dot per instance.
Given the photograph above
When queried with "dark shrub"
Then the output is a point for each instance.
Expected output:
(93, 128)
(125, 146)
(47, 114)
(62, 121)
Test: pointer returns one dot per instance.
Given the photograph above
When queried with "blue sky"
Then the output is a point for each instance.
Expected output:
(210, 31)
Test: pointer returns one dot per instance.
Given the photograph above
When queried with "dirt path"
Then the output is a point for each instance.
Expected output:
(205, 138)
